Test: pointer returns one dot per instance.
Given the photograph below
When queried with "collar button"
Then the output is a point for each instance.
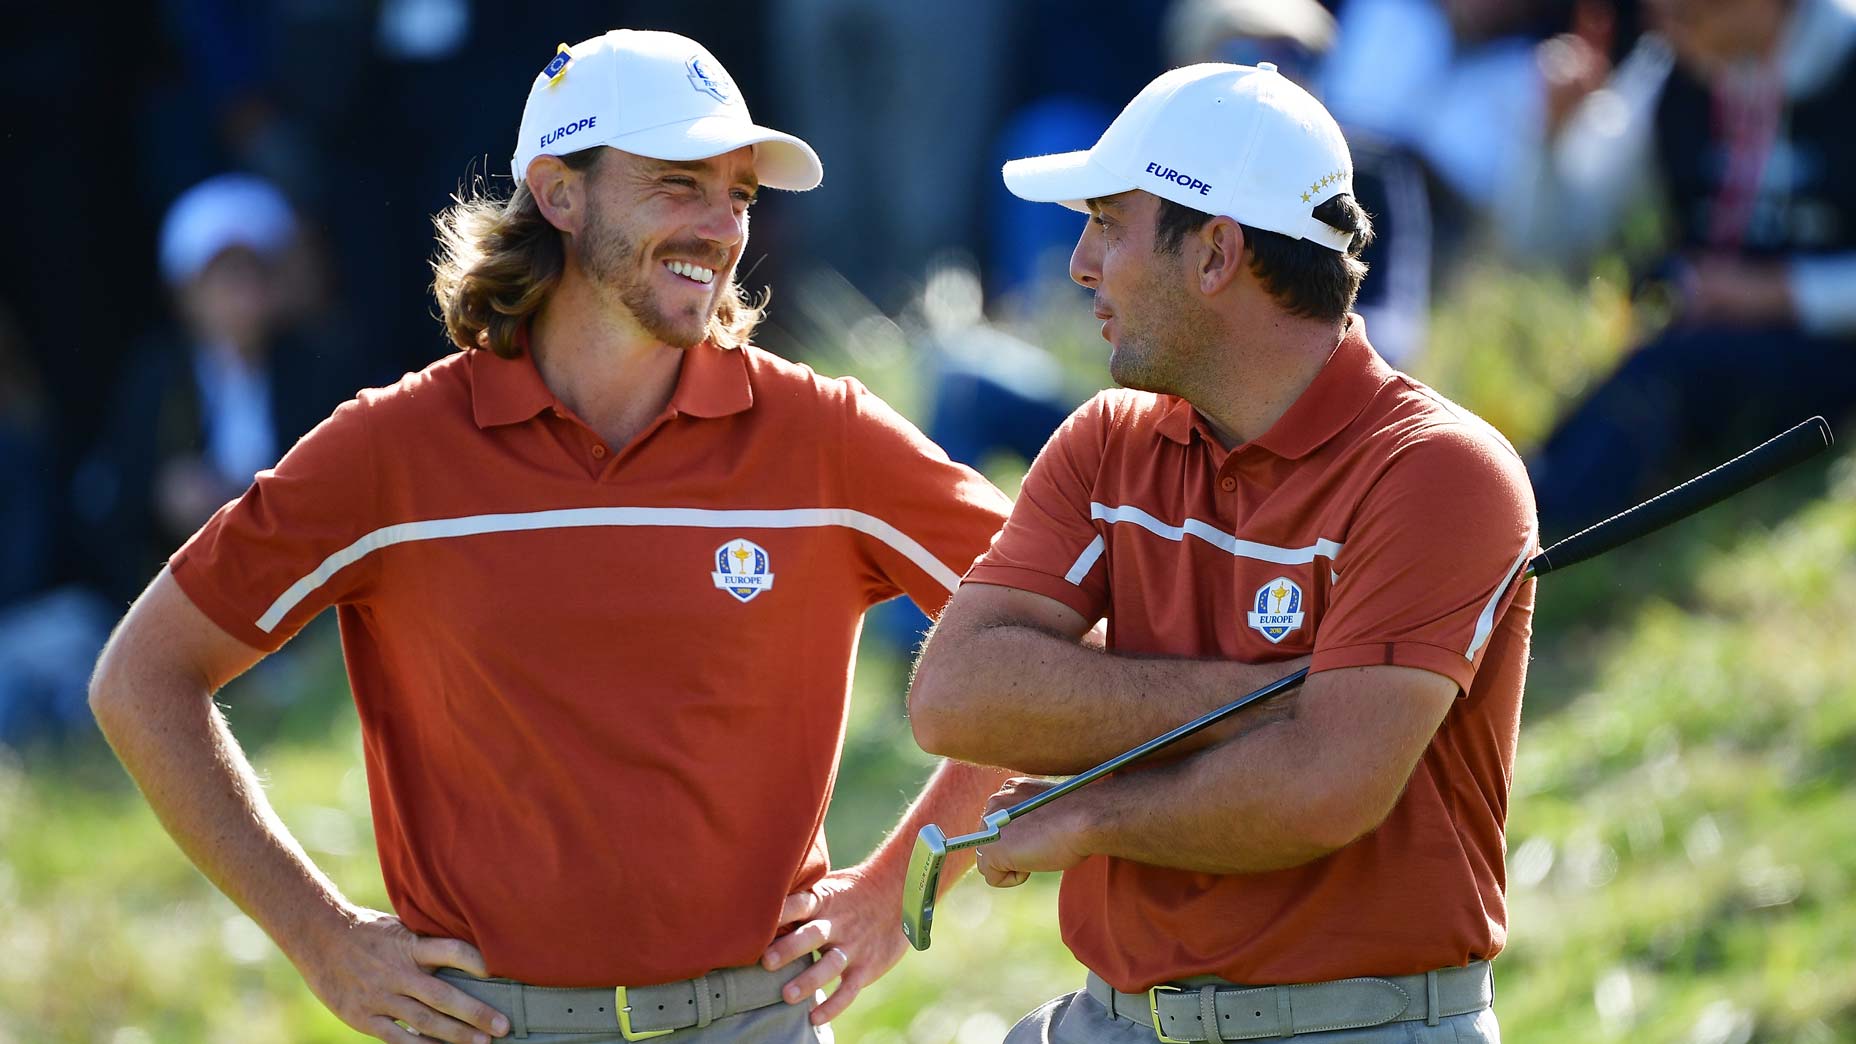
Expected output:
(1228, 484)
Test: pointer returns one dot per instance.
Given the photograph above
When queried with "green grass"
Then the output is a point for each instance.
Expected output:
(1682, 841)
(1684, 833)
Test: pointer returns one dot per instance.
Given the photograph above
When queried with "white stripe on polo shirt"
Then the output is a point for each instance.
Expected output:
(1485, 623)
(1085, 561)
(1212, 535)
(569, 518)
(1323, 548)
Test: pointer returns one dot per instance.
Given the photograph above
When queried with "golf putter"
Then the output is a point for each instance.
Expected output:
(932, 846)
(1804, 440)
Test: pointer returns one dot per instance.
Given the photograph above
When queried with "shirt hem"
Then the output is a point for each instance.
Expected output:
(1424, 656)
(1038, 583)
(219, 611)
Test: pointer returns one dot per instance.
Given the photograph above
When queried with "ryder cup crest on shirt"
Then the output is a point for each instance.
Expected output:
(1277, 609)
(742, 569)
(1233, 140)
(652, 94)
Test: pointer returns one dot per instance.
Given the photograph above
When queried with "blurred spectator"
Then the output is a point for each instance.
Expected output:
(1388, 180)
(900, 99)
(48, 638)
(202, 407)
(994, 393)
(1030, 245)
(214, 102)
(1074, 64)
(69, 74)
(1458, 83)
(26, 473)
(1738, 110)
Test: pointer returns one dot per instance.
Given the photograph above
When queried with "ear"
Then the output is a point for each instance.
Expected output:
(560, 192)
(1221, 255)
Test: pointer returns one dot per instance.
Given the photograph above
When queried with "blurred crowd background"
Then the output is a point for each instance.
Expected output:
(225, 211)
(1622, 230)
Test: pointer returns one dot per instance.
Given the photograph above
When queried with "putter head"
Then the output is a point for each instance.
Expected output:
(921, 884)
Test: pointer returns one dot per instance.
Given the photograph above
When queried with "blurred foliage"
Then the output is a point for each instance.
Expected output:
(1682, 846)
(1516, 347)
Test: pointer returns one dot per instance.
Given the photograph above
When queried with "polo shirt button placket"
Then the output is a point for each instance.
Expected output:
(1228, 484)
(599, 451)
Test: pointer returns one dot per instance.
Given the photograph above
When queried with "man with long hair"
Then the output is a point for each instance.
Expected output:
(1264, 493)
(599, 577)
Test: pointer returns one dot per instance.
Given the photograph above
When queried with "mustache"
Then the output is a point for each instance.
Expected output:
(696, 250)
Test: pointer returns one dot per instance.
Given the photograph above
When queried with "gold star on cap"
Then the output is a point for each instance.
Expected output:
(1306, 197)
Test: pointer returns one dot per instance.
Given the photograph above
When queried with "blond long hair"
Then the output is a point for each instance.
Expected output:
(498, 259)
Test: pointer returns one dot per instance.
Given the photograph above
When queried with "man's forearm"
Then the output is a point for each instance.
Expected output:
(176, 746)
(1304, 780)
(1224, 810)
(1036, 702)
(954, 797)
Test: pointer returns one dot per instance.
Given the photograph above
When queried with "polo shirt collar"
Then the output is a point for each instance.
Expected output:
(1178, 421)
(1350, 378)
(712, 382)
(505, 391)
(1338, 394)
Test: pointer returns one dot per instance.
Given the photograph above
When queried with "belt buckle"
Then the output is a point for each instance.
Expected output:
(1153, 1009)
(625, 1020)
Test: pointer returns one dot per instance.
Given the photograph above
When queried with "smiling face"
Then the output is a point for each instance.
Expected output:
(1161, 334)
(662, 237)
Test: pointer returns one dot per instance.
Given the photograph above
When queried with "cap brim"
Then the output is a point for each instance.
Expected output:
(781, 160)
(1069, 178)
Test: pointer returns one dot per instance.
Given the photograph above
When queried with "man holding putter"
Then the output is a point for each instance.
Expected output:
(1266, 494)
(600, 576)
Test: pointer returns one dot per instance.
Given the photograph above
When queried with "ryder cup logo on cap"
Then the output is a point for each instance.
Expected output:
(702, 79)
(652, 94)
(1230, 140)
(742, 568)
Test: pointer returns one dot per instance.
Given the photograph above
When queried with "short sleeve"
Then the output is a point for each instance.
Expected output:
(1432, 558)
(925, 517)
(1050, 542)
(267, 563)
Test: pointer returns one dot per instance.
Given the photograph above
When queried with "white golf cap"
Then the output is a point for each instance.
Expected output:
(652, 94)
(1230, 140)
(222, 212)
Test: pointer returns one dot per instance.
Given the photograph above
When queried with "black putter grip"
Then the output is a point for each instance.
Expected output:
(1763, 461)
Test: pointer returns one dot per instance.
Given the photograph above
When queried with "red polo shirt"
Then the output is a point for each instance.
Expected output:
(1374, 523)
(602, 689)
